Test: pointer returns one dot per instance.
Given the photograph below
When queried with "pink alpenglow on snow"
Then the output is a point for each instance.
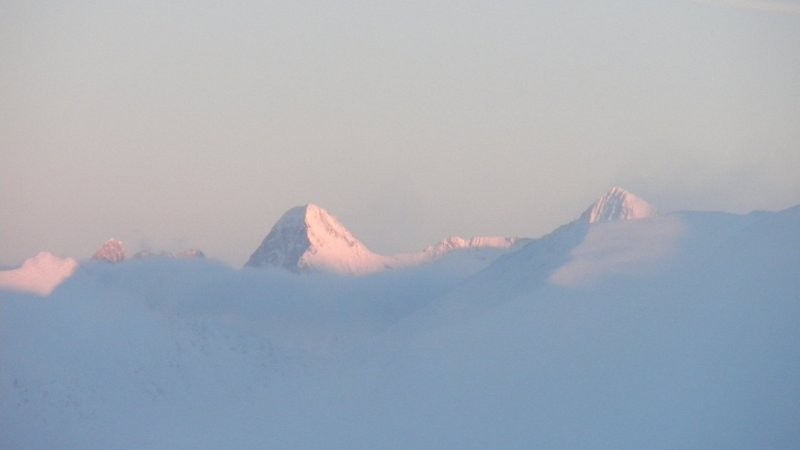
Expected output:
(307, 238)
(39, 275)
(618, 204)
(459, 243)
(112, 251)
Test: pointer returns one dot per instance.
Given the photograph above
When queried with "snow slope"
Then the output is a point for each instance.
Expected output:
(39, 275)
(308, 238)
(697, 351)
(674, 331)
(537, 260)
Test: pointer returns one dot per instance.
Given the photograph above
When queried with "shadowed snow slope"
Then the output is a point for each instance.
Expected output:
(677, 331)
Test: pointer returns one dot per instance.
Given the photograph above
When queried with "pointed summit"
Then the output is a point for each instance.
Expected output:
(307, 238)
(618, 204)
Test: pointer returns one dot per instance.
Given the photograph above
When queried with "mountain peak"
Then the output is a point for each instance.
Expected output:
(308, 238)
(112, 251)
(39, 275)
(618, 204)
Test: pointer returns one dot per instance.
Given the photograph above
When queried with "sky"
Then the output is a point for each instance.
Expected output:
(181, 124)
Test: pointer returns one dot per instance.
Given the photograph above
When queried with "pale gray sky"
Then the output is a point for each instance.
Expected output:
(197, 124)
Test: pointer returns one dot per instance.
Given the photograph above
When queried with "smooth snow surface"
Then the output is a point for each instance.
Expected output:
(674, 331)
(39, 275)
(627, 247)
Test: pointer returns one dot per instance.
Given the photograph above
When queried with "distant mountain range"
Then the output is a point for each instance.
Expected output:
(624, 328)
(308, 239)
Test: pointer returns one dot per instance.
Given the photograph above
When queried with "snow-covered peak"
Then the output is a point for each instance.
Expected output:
(39, 275)
(308, 238)
(618, 204)
(112, 251)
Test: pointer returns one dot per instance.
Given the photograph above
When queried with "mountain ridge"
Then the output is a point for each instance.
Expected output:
(308, 238)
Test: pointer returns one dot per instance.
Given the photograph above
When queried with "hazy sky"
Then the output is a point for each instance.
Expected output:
(198, 123)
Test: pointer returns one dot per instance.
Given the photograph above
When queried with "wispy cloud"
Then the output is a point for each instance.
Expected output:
(779, 6)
